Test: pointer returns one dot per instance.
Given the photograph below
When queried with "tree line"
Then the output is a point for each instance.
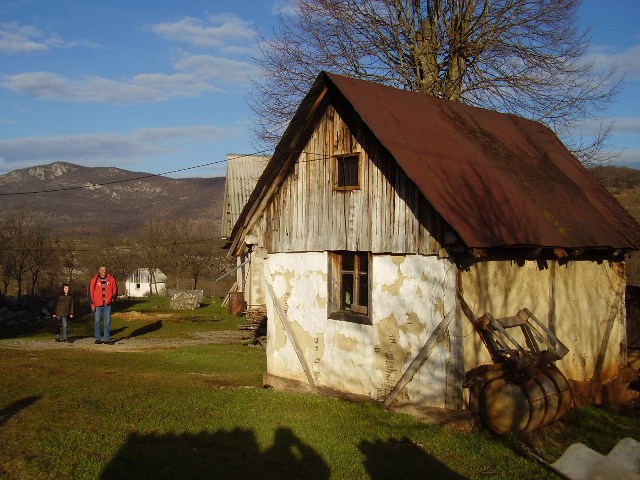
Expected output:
(36, 260)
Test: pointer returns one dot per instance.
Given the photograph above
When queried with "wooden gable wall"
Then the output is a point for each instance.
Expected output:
(387, 214)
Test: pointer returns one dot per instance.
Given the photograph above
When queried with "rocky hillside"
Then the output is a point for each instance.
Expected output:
(87, 201)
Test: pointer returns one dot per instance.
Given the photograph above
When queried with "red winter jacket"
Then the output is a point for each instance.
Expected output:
(95, 290)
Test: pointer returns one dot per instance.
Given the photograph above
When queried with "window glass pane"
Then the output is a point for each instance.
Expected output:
(348, 261)
(347, 291)
(351, 171)
(341, 173)
(363, 260)
(363, 290)
(348, 171)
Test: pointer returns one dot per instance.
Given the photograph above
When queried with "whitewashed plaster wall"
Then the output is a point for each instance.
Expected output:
(581, 301)
(132, 289)
(254, 287)
(410, 296)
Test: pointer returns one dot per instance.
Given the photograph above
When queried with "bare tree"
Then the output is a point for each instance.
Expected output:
(149, 242)
(6, 247)
(517, 56)
(110, 251)
(40, 253)
(68, 257)
(189, 251)
(15, 232)
(27, 250)
(175, 235)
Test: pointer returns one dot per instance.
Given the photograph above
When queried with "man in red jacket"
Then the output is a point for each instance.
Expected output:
(103, 291)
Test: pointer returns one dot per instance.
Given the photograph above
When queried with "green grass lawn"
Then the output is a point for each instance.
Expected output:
(201, 412)
(151, 317)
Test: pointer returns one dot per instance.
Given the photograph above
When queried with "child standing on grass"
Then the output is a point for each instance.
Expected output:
(63, 311)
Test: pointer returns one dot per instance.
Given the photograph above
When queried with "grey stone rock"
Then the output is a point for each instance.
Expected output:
(184, 301)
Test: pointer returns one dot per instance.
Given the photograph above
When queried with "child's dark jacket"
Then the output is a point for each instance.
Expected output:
(64, 306)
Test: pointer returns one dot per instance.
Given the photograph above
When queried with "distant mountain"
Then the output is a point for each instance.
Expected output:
(90, 201)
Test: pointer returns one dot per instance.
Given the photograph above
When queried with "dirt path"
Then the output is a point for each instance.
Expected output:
(130, 344)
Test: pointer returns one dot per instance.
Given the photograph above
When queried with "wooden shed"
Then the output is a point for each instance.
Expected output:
(243, 172)
(145, 282)
(382, 210)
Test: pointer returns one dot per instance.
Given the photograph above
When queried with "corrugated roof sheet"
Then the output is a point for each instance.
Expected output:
(243, 172)
(498, 180)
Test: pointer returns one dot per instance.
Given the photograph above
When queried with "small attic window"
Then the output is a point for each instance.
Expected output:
(347, 172)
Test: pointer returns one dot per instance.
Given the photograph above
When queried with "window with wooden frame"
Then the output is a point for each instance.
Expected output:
(349, 298)
(347, 175)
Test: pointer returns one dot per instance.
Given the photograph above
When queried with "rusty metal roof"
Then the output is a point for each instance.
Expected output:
(498, 180)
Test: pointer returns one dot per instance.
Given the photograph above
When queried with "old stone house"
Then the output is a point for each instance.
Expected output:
(381, 209)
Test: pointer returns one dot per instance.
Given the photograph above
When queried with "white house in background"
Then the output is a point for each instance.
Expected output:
(142, 284)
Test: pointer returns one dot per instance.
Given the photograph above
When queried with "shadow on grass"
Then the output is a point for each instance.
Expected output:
(236, 454)
(403, 459)
(151, 327)
(10, 410)
(221, 455)
(123, 304)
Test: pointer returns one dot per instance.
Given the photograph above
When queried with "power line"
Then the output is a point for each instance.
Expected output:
(108, 247)
(142, 177)
(320, 157)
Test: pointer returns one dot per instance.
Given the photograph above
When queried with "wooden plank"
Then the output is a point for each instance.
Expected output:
(420, 358)
(387, 215)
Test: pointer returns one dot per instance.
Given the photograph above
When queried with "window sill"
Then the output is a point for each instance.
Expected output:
(350, 317)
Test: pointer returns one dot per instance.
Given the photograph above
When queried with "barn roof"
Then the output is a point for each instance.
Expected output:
(498, 180)
(243, 172)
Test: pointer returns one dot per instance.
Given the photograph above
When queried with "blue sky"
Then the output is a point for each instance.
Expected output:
(158, 86)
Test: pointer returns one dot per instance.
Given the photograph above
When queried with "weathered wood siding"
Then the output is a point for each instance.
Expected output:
(387, 214)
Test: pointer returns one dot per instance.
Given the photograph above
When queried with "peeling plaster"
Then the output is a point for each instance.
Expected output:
(345, 343)
(576, 298)
(408, 302)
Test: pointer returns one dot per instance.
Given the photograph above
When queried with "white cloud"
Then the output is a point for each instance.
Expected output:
(19, 39)
(195, 75)
(100, 148)
(629, 157)
(626, 125)
(206, 133)
(191, 75)
(626, 62)
(217, 69)
(620, 125)
(15, 39)
(227, 33)
(283, 7)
